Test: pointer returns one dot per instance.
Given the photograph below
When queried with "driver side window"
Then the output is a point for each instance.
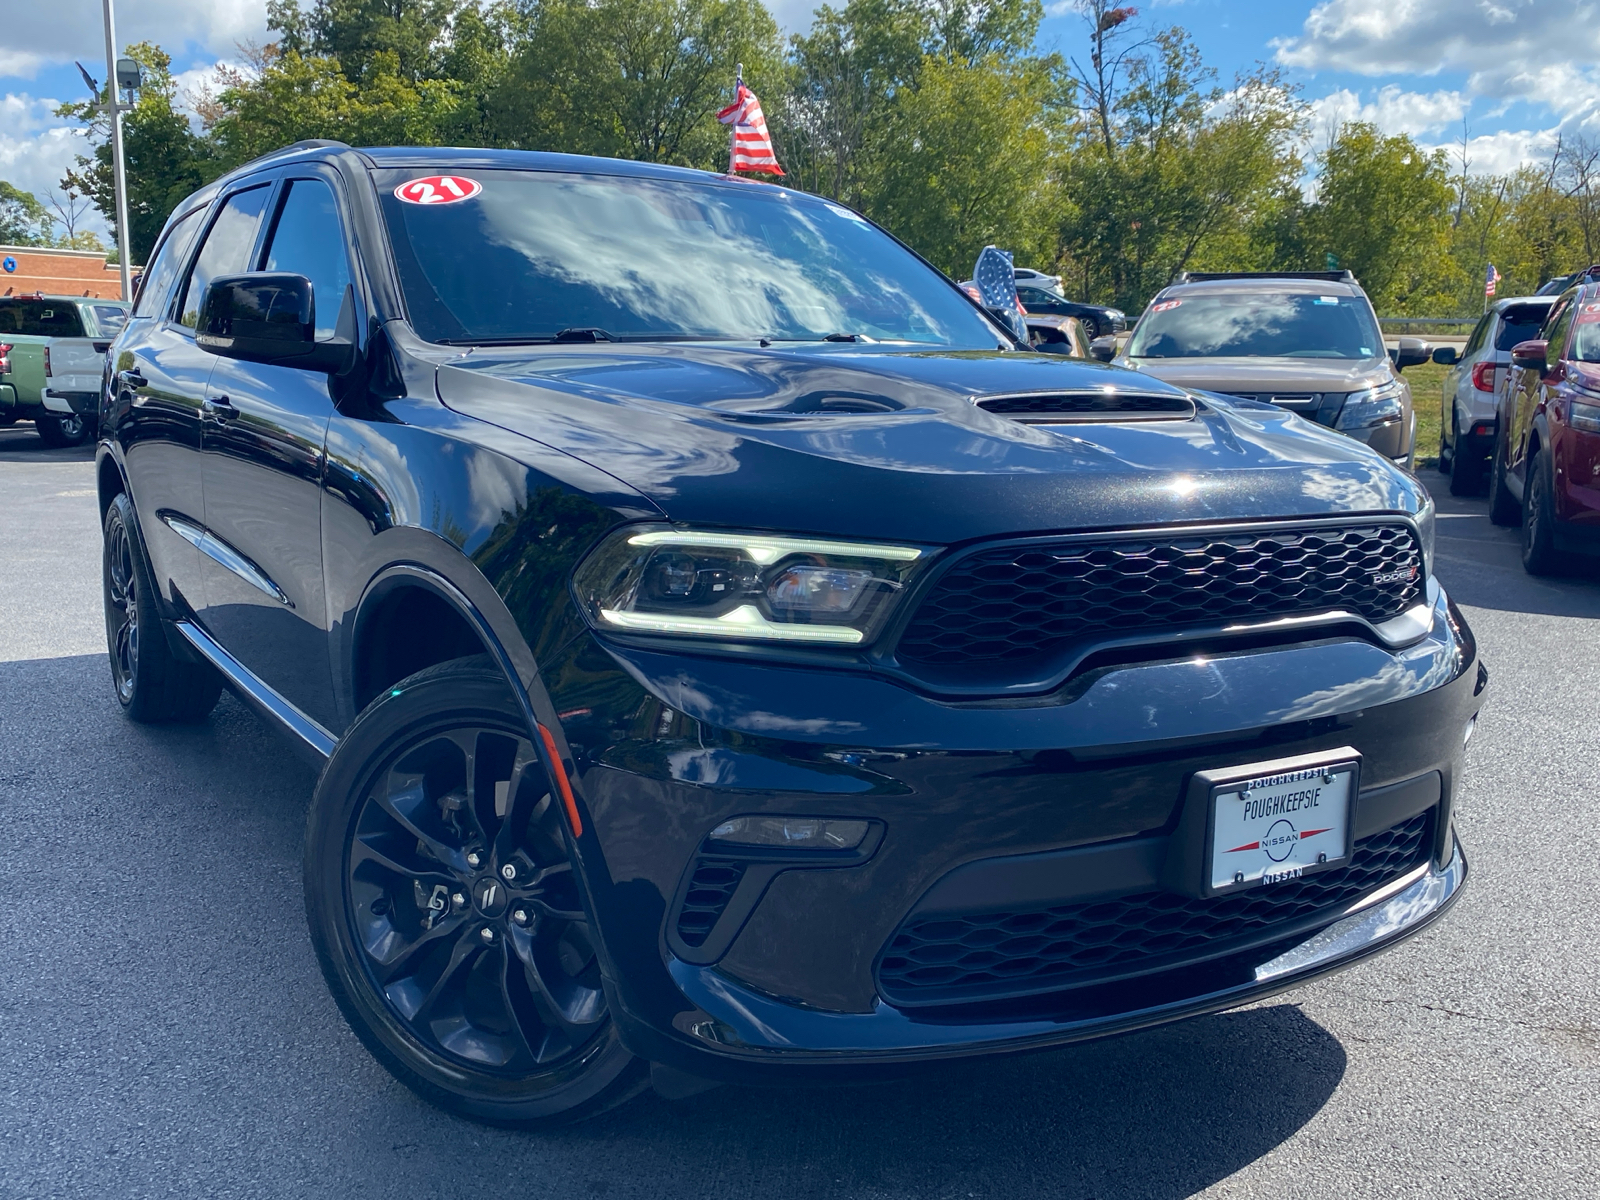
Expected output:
(1556, 332)
(227, 248)
(307, 240)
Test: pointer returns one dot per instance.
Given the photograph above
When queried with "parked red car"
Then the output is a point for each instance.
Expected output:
(1546, 470)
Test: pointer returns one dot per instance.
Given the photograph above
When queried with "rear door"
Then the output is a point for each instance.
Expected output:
(159, 384)
(263, 436)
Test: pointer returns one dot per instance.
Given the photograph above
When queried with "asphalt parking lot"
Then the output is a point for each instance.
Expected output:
(164, 1030)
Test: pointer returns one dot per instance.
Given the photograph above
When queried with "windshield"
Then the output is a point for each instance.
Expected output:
(1258, 325)
(40, 318)
(529, 254)
(1586, 335)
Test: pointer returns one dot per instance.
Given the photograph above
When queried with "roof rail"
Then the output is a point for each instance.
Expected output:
(1345, 276)
(305, 144)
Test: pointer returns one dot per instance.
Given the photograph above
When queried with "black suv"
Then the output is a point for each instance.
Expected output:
(731, 657)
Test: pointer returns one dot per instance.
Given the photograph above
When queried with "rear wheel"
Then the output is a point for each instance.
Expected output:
(446, 912)
(152, 683)
(60, 430)
(1466, 468)
(1091, 326)
(1503, 506)
(1538, 517)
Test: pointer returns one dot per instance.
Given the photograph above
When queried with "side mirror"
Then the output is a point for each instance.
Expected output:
(271, 318)
(1532, 354)
(1446, 356)
(1411, 352)
(1104, 348)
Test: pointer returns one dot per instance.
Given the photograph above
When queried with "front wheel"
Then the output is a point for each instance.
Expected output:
(64, 430)
(446, 912)
(1538, 517)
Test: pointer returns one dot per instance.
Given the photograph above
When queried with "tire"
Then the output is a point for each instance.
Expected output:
(7, 418)
(61, 431)
(1538, 517)
(1503, 506)
(1091, 327)
(152, 683)
(509, 1026)
(1466, 470)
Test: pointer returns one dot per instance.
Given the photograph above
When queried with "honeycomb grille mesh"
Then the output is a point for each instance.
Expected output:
(995, 954)
(1013, 602)
(710, 889)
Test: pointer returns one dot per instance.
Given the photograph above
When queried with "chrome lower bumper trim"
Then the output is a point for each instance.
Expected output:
(310, 738)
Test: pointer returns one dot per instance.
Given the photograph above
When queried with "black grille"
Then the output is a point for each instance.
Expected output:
(938, 958)
(1014, 602)
(710, 890)
(1102, 406)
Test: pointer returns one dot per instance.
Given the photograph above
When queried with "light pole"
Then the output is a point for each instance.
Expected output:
(119, 176)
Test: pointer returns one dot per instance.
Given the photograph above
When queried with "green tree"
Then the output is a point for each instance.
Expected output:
(24, 220)
(1384, 208)
(164, 159)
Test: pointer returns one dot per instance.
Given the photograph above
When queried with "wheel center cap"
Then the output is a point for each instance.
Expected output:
(490, 897)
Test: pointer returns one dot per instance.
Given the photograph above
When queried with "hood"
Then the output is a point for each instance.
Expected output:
(1266, 374)
(888, 443)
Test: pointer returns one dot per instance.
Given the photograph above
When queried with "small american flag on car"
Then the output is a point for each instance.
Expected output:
(751, 147)
(1491, 278)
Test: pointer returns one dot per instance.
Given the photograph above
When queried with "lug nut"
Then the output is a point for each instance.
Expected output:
(487, 935)
(520, 916)
(509, 872)
(474, 860)
(458, 900)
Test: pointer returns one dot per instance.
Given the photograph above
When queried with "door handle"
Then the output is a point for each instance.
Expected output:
(132, 379)
(222, 408)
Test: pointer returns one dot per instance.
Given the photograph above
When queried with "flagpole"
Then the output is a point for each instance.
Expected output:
(733, 129)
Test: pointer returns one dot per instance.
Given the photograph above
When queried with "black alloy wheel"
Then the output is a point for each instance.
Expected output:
(1091, 326)
(1466, 467)
(1503, 506)
(152, 683)
(1538, 517)
(64, 430)
(447, 913)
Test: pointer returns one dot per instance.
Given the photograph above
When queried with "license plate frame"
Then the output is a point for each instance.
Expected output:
(1309, 801)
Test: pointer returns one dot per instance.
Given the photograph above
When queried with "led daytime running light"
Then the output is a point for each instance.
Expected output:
(765, 551)
(744, 621)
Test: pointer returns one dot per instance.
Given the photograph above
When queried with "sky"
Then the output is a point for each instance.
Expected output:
(1509, 74)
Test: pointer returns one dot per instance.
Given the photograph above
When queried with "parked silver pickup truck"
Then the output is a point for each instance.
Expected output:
(52, 353)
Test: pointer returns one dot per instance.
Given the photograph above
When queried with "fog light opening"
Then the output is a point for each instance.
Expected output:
(1472, 727)
(791, 833)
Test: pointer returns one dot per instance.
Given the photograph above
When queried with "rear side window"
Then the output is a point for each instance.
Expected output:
(40, 318)
(307, 240)
(226, 250)
(155, 286)
(1560, 325)
(1520, 325)
(110, 319)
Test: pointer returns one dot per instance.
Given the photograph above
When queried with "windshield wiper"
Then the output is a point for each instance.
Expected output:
(582, 333)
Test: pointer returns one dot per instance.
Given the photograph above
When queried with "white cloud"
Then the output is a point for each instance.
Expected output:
(39, 34)
(1503, 152)
(1392, 110)
(36, 149)
(1539, 51)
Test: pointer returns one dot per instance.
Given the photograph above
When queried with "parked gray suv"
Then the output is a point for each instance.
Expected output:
(1306, 341)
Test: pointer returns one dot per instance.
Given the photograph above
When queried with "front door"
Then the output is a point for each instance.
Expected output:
(263, 438)
(160, 385)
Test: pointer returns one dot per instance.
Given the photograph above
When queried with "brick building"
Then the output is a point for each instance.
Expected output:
(25, 269)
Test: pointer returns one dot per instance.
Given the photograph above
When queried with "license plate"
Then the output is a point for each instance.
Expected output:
(1281, 827)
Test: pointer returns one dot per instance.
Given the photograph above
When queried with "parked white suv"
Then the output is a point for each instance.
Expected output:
(1478, 374)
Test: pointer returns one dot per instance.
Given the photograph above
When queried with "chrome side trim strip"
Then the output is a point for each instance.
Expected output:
(220, 552)
(310, 737)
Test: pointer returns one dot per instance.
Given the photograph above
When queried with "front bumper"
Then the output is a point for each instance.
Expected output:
(1092, 779)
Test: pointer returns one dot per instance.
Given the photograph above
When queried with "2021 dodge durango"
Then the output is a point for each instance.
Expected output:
(730, 657)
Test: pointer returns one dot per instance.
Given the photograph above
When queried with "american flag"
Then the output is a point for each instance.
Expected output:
(1489, 280)
(996, 280)
(751, 148)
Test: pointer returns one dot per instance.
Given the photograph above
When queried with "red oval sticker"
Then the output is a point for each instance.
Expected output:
(438, 189)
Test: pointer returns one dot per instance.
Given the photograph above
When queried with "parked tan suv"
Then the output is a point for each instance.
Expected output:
(1305, 341)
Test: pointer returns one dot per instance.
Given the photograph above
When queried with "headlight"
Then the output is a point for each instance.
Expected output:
(1371, 406)
(743, 586)
(1585, 417)
(1425, 524)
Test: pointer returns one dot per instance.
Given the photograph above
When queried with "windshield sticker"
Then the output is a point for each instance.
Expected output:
(1165, 305)
(438, 189)
(1327, 300)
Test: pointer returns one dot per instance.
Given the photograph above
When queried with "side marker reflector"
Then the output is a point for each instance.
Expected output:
(562, 783)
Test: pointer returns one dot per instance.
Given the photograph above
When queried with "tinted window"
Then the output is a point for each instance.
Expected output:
(537, 252)
(1560, 324)
(1520, 324)
(110, 319)
(1258, 325)
(1586, 336)
(227, 248)
(1479, 332)
(1036, 296)
(41, 318)
(307, 241)
(155, 285)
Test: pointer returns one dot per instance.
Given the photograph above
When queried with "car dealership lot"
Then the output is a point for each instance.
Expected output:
(164, 1029)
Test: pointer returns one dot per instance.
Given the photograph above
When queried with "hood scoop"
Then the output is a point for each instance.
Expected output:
(1055, 408)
